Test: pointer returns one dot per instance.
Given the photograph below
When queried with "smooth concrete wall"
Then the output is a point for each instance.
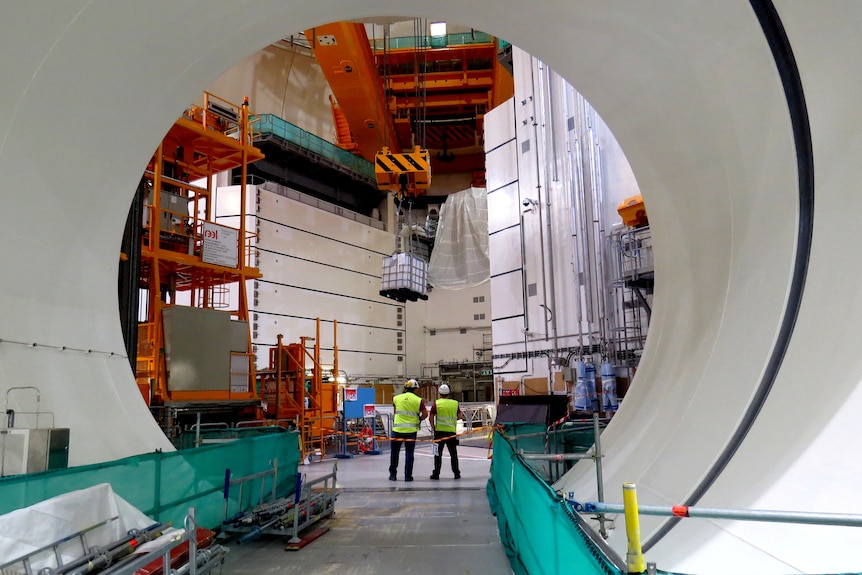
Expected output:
(450, 312)
(285, 80)
(693, 94)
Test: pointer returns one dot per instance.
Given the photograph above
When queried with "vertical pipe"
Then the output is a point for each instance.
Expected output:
(344, 422)
(523, 249)
(590, 221)
(576, 252)
(524, 279)
(598, 228)
(600, 481)
(584, 244)
(317, 391)
(538, 203)
(226, 492)
(634, 555)
(192, 530)
(547, 118)
(334, 406)
(278, 374)
(155, 291)
(198, 430)
(244, 141)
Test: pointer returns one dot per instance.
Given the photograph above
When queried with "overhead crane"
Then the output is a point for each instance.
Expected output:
(393, 95)
(345, 57)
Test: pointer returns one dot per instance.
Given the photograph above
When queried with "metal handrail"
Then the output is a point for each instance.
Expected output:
(632, 511)
(770, 516)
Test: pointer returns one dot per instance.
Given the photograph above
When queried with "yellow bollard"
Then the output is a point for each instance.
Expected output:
(634, 557)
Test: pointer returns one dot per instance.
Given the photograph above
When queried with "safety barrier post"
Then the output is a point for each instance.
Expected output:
(634, 556)
(600, 482)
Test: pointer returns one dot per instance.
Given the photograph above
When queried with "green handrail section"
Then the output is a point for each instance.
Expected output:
(165, 485)
(447, 41)
(313, 146)
(206, 436)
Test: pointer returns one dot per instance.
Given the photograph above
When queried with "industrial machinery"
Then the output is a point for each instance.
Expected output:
(406, 175)
(307, 398)
(194, 351)
(29, 440)
(633, 212)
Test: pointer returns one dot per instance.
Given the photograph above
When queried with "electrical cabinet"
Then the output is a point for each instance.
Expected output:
(32, 450)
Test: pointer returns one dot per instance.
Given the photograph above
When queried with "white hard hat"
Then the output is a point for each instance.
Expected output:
(411, 384)
(444, 389)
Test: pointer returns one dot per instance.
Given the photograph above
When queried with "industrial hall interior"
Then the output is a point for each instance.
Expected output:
(420, 287)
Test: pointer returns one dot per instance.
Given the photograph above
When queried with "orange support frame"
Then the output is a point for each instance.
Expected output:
(314, 409)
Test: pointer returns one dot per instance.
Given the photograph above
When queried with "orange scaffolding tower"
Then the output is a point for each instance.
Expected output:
(191, 262)
(306, 397)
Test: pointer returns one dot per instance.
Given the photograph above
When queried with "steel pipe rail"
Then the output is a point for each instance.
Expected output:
(556, 456)
(804, 517)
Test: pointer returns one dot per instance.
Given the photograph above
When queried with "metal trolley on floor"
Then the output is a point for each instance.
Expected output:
(293, 516)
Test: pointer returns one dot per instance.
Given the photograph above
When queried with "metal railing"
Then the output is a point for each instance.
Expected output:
(632, 510)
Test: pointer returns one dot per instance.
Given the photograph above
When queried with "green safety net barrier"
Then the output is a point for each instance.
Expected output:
(537, 527)
(270, 125)
(165, 485)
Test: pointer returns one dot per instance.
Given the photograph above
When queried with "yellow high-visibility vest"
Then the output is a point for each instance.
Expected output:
(447, 415)
(407, 409)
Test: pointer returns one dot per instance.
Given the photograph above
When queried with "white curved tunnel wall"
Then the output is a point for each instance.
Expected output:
(692, 93)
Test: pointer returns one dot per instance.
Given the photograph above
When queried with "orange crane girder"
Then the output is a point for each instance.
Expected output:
(347, 62)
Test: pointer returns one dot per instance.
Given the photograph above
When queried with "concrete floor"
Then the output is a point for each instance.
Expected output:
(382, 527)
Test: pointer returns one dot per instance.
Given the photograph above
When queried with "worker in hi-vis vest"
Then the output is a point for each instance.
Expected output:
(410, 410)
(445, 414)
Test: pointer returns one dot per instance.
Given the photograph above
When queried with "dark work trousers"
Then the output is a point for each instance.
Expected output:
(450, 440)
(409, 446)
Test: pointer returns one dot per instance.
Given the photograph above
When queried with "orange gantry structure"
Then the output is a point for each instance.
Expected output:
(399, 93)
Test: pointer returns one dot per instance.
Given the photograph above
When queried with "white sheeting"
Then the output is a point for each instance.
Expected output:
(460, 257)
(26, 530)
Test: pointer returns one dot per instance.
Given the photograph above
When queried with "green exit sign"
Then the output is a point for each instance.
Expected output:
(486, 372)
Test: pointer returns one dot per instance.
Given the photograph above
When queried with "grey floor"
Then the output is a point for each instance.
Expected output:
(380, 527)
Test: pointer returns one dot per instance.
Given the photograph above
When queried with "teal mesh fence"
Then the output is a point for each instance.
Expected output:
(449, 40)
(270, 125)
(537, 527)
(165, 485)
